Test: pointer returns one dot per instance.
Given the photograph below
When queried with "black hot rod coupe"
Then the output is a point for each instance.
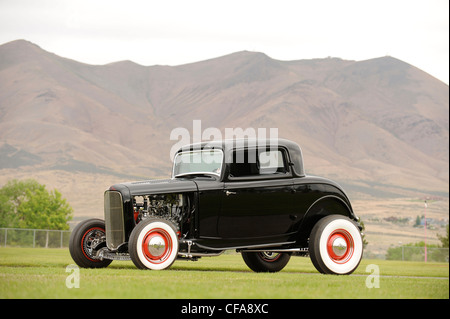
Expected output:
(251, 196)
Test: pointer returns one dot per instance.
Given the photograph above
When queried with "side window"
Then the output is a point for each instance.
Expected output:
(244, 163)
(271, 162)
(252, 163)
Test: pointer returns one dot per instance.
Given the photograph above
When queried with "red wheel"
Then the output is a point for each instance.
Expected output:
(157, 245)
(153, 244)
(340, 246)
(335, 245)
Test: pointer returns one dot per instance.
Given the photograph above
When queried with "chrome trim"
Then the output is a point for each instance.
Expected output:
(114, 223)
(275, 250)
(190, 255)
(197, 173)
(339, 246)
(156, 245)
(104, 253)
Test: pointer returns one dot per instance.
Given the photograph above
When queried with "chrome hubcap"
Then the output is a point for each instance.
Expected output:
(156, 246)
(339, 246)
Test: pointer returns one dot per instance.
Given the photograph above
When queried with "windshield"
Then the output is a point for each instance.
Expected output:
(198, 162)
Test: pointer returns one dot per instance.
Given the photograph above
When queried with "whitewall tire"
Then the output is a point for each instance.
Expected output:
(153, 244)
(335, 245)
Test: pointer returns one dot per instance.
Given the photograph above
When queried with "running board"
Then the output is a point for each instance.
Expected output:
(194, 255)
(275, 250)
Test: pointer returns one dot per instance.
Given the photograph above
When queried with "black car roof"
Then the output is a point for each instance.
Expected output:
(296, 160)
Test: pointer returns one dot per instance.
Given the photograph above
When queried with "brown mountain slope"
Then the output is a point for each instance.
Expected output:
(379, 127)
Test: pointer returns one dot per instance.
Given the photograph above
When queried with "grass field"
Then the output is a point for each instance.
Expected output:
(41, 273)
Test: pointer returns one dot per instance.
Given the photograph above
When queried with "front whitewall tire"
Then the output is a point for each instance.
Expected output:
(153, 244)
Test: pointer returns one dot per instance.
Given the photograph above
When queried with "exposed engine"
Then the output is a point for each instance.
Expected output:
(170, 207)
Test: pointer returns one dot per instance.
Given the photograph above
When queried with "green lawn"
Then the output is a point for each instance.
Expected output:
(41, 273)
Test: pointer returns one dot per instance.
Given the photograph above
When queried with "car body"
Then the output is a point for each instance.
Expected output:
(252, 196)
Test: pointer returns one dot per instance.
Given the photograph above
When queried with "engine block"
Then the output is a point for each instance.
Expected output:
(167, 206)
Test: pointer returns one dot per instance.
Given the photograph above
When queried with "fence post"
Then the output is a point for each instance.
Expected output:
(6, 235)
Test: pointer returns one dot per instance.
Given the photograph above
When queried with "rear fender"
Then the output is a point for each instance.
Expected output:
(324, 206)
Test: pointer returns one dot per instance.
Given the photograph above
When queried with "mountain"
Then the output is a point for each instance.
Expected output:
(379, 127)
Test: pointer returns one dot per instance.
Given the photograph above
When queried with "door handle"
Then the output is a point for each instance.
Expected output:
(230, 193)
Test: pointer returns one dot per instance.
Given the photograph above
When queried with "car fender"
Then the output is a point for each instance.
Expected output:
(322, 207)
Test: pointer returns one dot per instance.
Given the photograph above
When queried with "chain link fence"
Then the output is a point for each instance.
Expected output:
(414, 253)
(45, 238)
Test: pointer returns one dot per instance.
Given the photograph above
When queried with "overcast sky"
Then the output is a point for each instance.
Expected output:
(174, 32)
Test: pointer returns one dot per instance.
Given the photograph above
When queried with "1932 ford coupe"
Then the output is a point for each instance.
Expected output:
(251, 196)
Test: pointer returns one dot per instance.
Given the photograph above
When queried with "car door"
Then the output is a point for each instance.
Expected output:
(209, 199)
(257, 201)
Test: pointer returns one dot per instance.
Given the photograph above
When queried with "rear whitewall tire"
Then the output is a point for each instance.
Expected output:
(336, 245)
(153, 244)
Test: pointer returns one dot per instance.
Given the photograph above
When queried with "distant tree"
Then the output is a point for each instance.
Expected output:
(28, 204)
(418, 221)
(444, 239)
